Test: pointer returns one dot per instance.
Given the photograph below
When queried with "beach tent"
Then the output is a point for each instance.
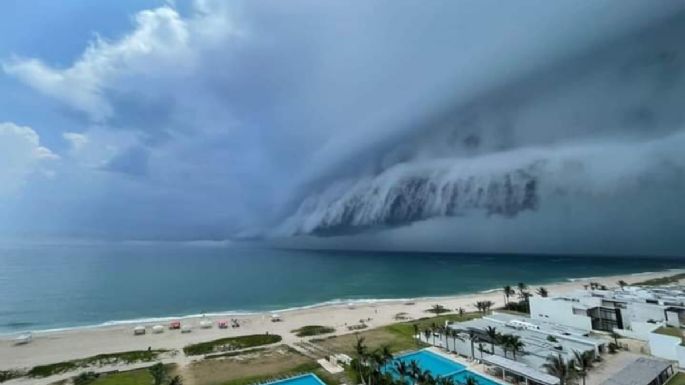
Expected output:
(175, 325)
(223, 324)
(23, 339)
(276, 318)
(139, 330)
(158, 329)
(205, 324)
(185, 329)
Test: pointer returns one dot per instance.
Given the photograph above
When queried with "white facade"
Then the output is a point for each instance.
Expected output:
(560, 310)
(632, 312)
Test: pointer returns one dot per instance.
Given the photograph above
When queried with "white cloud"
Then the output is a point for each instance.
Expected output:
(20, 156)
(76, 140)
(160, 36)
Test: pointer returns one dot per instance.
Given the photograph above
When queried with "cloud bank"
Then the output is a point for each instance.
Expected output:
(464, 126)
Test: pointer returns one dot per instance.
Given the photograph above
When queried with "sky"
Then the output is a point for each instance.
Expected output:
(535, 126)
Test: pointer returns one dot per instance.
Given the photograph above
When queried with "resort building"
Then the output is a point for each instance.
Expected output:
(644, 371)
(540, 339)
(630, 311)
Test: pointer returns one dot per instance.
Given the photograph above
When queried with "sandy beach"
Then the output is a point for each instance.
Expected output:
(51, 347)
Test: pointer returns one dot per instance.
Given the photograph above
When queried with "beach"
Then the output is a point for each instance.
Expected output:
(56, 346)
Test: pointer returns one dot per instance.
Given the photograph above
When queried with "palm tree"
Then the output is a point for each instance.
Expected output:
(414, 369)
(158, 373)
(416, 332)
(461, 312)
(559, 368)
(177, 380)
(504, 343)
(542, 292)
(487, 305)
(473, 337)
(522, 287)
(583, 362)
(402, 369)
(493, 335)
(508, 292)
(362, 353)
(515, 344)
(427, 334)
(622, 284)
(470, 380)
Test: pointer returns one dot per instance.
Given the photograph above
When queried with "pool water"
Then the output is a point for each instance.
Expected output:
(439, 366)
(305, 379)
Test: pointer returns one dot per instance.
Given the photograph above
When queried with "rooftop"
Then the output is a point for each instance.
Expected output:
(521, 369)
(640, 372)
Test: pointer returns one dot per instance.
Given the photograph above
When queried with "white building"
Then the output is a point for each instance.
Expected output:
(632, 311)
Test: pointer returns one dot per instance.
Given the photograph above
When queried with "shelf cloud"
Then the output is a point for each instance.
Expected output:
(464, 126)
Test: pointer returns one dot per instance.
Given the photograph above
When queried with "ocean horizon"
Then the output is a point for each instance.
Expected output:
(51, 287)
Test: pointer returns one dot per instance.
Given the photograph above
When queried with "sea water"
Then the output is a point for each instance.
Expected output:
(49, 286)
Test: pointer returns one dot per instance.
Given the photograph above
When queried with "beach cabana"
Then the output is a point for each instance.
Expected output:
(173, 325)
(139, 330)
(276, 318)
(223, 324)
(23, 339)
(158, 329)
(185, 329)
(206, 324)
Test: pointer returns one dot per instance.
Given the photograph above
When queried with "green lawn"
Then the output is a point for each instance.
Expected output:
(669, 331)
(134, 377)
(397, 337)
(678, 379)
(241, 342)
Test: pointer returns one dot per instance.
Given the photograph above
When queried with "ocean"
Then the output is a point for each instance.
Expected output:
(54, 287)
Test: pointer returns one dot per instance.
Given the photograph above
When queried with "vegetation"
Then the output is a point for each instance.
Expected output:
(551, 338)
(6, 375)
(367, 368)
(234, 343)
(678, 379)
(672, 279)
(397, 337)
(484, 306)
(669, 331)
(99, 360)
(306, 367)
(234, 354)
(542, 292)
(438, 309)
(313, 330)
(582, 363)
(131, 377)
(563, 370)
(508, 292)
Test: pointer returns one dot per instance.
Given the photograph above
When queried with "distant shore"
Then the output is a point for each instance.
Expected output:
(56, 346)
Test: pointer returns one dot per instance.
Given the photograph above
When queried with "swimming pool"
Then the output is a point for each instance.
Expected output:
(439, 366)
(305, 379)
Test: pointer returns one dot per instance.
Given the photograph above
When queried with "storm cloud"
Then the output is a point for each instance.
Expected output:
(463, 126)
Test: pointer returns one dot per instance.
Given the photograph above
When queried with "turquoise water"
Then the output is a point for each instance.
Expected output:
(307, 379)
(440, 367)
(51, 287)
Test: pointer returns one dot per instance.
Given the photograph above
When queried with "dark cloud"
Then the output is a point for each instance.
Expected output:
(267, 118)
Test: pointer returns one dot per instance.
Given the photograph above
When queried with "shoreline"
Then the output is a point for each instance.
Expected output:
(9, 335)
(58, 346)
